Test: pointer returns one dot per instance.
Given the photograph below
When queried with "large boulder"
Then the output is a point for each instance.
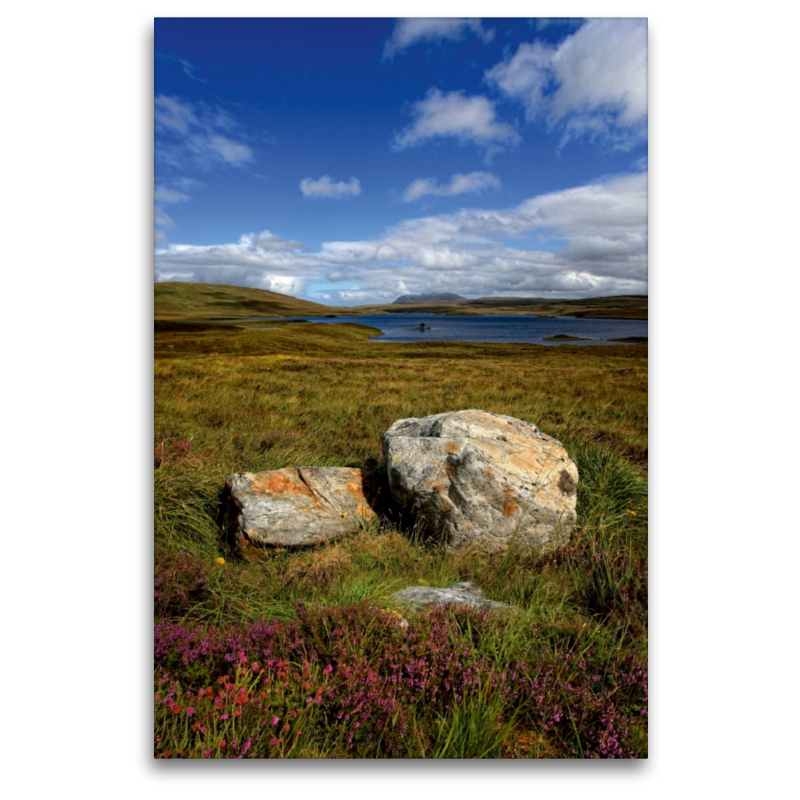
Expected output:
(296, 507)
(474, 479)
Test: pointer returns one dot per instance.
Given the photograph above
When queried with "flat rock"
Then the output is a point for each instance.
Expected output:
(296, 507)
(473, 479)
(461, 595)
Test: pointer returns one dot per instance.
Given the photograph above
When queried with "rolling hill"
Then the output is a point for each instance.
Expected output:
(176, 300)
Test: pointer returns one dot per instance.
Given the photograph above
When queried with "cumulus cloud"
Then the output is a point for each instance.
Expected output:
(262, 260)
(600, 233)
(269, 242)
(468, 119)
(325, 187)
(593, 84)
(408, 32)
(459, 184)
(186, 131)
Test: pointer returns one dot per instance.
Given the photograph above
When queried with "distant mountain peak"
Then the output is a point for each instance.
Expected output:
(433, 297)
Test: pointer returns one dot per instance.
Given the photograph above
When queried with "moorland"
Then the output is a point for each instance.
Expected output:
(301, 654)
(181, 300)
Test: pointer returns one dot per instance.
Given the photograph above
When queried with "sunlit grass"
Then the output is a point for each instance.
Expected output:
(306, 395)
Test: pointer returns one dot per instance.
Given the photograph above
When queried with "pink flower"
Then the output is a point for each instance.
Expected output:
(327, 670)
(190, 710)
(274, 741)
(206, 754)
(275, 720)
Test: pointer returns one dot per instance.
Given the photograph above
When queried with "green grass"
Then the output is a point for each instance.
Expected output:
(177, 300)
(621, 307)
(229, 400)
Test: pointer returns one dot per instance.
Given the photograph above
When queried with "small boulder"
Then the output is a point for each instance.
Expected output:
(296, 507)
(461, 595)
(473, 479)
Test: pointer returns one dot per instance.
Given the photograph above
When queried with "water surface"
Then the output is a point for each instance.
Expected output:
(493, 328)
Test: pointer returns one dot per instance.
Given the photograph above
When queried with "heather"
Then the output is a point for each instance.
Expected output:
(301, 654)
(353, 680)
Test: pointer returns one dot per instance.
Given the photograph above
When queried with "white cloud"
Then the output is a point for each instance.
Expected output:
(543, 22)
(459, 184)
(593, 84)
(172, 115)
(600, 230)
(325, 187)
(268, 241)
(162, 220)
(525, 75)
(164, 195)
(469, 119)
(408, 32)
(186, 67)
(186, 131)
(232, 152)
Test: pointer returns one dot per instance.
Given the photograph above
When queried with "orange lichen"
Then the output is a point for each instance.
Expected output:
(510, 507)
(273, 483)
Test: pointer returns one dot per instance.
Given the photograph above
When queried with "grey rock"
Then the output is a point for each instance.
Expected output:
(473, 479)
(461, 595)
(295, 507)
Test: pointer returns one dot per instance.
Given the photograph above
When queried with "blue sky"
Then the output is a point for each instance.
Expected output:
(349, 161)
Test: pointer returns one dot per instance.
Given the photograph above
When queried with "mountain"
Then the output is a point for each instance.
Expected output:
(433, 297)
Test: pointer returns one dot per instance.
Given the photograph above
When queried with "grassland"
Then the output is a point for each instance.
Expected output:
(176, 300)
(201, 301)
(300, 654)
(621, 307)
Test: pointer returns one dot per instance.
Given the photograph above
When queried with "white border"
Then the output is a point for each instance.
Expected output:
(77, 305)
